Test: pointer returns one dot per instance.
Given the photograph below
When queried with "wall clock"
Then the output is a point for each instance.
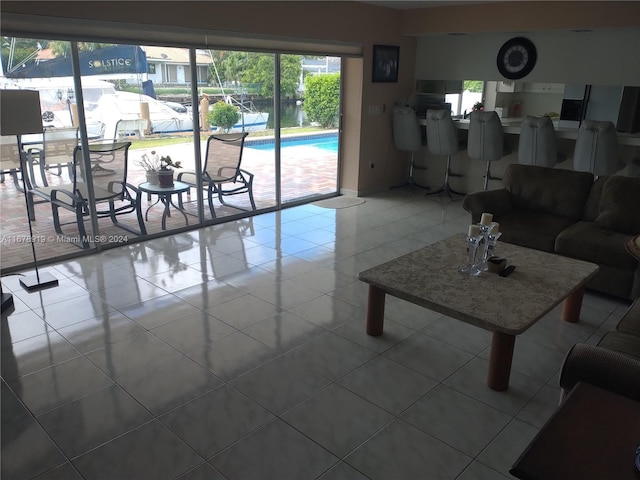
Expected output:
(516, 58)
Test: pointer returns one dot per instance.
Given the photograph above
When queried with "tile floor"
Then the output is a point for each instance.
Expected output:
(238, 352)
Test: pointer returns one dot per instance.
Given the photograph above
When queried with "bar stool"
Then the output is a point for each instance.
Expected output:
(442, 139)
(407, 137)
(537, 144)
(486, 140)
(596, 149)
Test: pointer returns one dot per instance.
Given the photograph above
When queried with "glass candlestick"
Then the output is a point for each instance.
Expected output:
(484, 247)
(471, 268)
(492, 244)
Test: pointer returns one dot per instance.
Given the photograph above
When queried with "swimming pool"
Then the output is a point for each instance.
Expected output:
(328, 141)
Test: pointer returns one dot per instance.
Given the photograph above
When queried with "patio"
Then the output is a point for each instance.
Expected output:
(307, 172)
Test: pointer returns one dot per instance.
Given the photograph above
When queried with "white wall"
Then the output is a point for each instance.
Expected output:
(605, 57)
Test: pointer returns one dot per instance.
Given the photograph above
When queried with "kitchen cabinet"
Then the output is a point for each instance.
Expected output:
(538, 87)
(442, 87)
(508, 87)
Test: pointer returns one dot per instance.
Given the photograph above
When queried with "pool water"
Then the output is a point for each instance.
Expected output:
(325, 143)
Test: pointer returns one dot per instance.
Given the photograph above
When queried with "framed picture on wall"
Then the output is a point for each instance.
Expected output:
(385, 63)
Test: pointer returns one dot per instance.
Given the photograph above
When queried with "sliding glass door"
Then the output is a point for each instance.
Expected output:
(309, 120)
(151, 99)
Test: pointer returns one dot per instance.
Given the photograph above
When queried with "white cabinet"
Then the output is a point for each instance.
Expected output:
(537, 87)
(508, 87)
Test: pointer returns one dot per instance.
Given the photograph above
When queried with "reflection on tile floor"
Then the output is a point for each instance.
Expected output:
(238, 351)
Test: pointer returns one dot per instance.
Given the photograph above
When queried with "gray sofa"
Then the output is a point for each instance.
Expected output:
(612, 364)
(568, 213)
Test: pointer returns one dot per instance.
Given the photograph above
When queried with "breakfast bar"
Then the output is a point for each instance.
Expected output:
(511, 126)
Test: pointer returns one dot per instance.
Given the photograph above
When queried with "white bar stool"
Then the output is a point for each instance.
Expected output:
(442, 139)
(486, 140)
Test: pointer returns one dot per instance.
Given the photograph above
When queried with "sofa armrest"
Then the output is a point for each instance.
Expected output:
(496, 202)
(603, 368)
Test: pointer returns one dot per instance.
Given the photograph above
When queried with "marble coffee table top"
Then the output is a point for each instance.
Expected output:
(429, 277)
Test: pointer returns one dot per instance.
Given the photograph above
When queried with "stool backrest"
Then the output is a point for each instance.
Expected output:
(537, 144)
(442, 134)
(596, 149)
(486, 138)
(406, 131)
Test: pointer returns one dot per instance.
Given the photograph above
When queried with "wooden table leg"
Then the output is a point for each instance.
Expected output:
(375, 311)
(572, 305)
(500, 361)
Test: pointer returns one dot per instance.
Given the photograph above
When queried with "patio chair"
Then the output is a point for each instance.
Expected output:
(10, 159)
(56, 151)
(112, 191)
(222, 175)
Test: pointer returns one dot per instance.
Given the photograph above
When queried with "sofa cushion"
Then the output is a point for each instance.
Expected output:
(554, 191)
(621, 342)
(619, 205)
(592, 206)
(532, 229)
(586, 241)
(630, 323)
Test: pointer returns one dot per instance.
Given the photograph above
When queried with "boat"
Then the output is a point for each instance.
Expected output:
(104, 106)
(126, 106)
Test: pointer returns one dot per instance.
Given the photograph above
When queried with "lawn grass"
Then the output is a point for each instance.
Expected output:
(153, 141)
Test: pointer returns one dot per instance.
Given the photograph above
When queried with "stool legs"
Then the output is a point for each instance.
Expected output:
(446, 188)
(410, 181)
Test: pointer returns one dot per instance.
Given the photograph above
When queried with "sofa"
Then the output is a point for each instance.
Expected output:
(569, 213)
(614, 363)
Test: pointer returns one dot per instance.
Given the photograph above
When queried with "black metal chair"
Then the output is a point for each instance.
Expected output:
(222, 175)
(113, 190)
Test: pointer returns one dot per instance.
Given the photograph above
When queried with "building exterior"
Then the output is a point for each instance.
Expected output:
(170, 66)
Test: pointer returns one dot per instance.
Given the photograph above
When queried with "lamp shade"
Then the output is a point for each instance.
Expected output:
(20, 112)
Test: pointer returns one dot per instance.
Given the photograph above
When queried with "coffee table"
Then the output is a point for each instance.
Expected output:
(506, 306)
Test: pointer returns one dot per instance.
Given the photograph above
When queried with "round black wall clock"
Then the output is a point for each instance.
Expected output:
(516, 58)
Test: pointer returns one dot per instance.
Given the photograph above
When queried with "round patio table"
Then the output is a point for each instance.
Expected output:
(164, 195)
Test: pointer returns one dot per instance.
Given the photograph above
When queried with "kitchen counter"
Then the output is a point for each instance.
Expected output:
(511, 125)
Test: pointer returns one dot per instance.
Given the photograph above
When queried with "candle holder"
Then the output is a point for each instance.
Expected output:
(484, 246)
(471, 268)
(492, 244)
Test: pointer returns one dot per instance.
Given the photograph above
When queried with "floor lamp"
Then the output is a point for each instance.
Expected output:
(20, 114)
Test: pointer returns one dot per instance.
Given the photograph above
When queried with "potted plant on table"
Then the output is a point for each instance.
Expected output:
(151, 164)
(165, 174)
(156, 166)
